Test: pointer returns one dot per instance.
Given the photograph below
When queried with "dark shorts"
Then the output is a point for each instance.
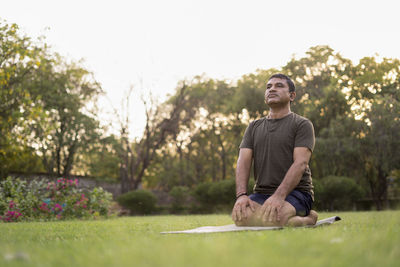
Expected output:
(301, 201)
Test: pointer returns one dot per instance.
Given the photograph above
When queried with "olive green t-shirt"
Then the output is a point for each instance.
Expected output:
(273, 142)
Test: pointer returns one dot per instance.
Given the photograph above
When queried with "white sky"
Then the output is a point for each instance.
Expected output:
(152, 44)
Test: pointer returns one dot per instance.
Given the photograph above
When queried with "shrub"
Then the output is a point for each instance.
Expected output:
(223, 192)
(317, 205)
(100, 201)
(250, 186)
(40, 200)
(19, 200)
(202, 193)
(139, 202)
(337, 193)
(179, 196)
(217, 196)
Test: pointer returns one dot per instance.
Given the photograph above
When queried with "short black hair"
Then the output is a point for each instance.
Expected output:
(289, 81)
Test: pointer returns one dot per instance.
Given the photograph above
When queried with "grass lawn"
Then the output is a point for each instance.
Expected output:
(360, 239)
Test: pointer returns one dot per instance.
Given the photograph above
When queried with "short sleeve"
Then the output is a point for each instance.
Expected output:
(247, 141)
(305, 135)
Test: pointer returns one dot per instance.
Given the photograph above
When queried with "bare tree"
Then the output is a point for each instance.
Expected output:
(162, 122)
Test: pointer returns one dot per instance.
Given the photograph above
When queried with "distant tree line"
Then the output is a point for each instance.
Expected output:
(355, 110)
(49, 122)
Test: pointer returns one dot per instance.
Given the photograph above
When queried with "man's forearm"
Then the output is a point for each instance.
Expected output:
(242, 177)
(291, 180)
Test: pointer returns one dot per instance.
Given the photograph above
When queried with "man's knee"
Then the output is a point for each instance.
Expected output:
(241, 223)
(254, 218)
(287, 212)
(250, 218)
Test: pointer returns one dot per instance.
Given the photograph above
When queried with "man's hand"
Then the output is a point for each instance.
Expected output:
(271, 209)
(239, 211)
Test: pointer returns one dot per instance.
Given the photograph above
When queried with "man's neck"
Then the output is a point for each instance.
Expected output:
(278, 113)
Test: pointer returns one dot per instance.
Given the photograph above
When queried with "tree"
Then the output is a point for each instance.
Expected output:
(337, 149)
(375, 99)
(205, 147)
(162, 122)
(320, 77)
(102, 160)
(44, 100)
(64, 90)
(20, 58)
(380, 147)
(249, 94)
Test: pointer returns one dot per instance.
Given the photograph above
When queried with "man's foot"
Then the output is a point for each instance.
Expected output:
(296, 221)
(313, 216)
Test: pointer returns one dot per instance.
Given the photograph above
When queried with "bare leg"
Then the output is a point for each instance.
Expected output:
(288, 217)
(255, 219)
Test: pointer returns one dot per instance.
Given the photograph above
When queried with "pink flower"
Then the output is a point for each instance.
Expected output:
(44, 207)
(58, 207)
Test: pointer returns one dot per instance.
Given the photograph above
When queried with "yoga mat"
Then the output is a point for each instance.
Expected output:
(234, 228)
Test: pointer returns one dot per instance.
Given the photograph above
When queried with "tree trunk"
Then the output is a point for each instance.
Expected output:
(180, 153)
(382, 187)
(70, 159)
(124, 180)
(222, 154)
(156, 133)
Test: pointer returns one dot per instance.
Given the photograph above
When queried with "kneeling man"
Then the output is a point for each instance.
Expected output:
(280, 145)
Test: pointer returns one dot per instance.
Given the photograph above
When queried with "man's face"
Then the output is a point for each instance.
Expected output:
(277, 92)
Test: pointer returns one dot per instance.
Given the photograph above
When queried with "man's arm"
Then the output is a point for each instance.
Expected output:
(270, 210)
(242, 179)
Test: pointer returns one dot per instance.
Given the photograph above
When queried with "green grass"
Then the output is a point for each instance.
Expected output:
(360, 239)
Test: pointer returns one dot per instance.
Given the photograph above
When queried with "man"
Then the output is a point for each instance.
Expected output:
(280, 146)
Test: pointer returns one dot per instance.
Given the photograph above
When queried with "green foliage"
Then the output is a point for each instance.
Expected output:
(223, 192)
(317, 205)
(99, 201)
(69, 127)
(102, 159)
(337, 193)
(202, 194)
(19, 61)
(337, 149)
(216, 196)
(249, 94)
(17, 196)
(180, 196)
(139, 202)
(394, 184)
(43, 105)
(41, 200)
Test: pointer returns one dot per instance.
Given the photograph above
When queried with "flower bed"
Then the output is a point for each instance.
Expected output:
(38, 200)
